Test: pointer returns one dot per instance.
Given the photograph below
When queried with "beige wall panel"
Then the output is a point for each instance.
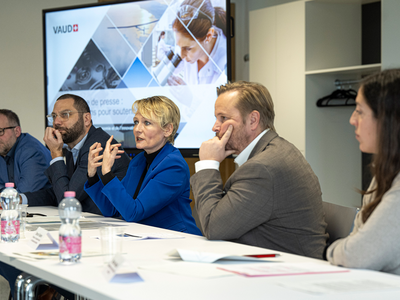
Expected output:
(277, 61)
(262, 39)
(289, 100)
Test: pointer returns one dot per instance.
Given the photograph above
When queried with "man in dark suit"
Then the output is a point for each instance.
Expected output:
(273, 199)
(71, 136)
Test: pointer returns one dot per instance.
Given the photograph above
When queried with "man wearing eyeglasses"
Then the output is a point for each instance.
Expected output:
(23, 159)
(68, 141)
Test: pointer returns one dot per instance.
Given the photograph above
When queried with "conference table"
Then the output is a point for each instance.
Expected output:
(150, 272)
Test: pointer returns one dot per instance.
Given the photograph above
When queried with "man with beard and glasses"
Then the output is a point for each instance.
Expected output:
(273, 199)
(71, 136)
(23, 159)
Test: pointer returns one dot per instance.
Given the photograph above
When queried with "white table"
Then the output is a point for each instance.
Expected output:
(85, 278)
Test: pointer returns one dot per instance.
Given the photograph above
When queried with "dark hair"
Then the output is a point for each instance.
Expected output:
(382, 94)
(207, 17)
(79, 103)
(252, 96)
(161, 34)
(11, 116)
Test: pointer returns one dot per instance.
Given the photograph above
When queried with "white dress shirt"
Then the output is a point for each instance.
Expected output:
(75, 152)
(239, 160)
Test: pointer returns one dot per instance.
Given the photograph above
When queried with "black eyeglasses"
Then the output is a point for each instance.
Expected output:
(2, 129)
(64, 115)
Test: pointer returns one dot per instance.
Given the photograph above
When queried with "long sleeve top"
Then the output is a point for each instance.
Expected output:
(374, 244)
(30, 159)
(163, 200)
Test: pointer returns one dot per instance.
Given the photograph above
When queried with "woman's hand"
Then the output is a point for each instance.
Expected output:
(110, 154)
(94, 159)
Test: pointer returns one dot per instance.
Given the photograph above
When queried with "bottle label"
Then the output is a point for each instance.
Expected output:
(10, 227)
(70, 244)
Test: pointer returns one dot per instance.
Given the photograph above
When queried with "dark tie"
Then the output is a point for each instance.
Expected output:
(70, 163)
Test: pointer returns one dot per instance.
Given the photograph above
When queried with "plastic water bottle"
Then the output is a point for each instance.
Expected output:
(70, 234)
(9, 217)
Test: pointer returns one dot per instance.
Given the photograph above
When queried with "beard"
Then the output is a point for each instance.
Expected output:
(4, 149)
(72, 134)
(6, 145)
(238, 140)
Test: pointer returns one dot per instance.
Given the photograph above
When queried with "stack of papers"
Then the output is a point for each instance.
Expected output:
(282, 269)
(188, 269)
(145, 236)
(207, 257)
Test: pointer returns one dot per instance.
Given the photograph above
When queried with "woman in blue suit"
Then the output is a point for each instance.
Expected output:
(155, 190)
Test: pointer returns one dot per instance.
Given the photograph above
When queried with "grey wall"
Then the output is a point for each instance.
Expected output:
(21, 59)
(21, 54)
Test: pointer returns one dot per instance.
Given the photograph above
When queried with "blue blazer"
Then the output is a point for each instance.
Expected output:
(163, 200)
(31, 160)
(57, 173)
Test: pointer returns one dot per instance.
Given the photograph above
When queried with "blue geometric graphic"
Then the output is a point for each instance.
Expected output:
(137, 75)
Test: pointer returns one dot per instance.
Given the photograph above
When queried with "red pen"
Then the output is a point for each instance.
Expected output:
(263, 255)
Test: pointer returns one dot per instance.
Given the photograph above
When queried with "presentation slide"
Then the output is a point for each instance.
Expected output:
(115, 54)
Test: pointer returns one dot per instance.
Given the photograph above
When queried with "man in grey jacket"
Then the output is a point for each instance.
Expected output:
(273, 199)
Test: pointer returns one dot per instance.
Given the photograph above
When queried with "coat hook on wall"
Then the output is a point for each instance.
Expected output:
(341, 83)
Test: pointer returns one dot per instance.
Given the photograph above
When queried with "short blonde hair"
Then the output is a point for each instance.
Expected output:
(161, 110)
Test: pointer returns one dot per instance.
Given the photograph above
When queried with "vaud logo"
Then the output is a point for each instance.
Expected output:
(65, 29)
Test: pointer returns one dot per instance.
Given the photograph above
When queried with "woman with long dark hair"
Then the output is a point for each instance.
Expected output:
(375, 241)
(162, 47)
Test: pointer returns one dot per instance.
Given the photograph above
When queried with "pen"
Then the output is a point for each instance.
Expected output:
(128, 234)
(263, 255)
(30, 215)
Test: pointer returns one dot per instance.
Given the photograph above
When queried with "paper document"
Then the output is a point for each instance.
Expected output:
(340, 286)
(140, 236)
(160, 235)
(282, 269)
(41, 235)
(207, 257)
(53, 219)
(39, 220)
(51, 254)
(126, 237)
(188, 269)
(83, 224)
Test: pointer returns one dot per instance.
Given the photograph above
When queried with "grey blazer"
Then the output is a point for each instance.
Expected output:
(272, 201)
(62, 178)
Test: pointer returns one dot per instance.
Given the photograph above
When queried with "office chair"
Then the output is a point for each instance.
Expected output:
(339, 219)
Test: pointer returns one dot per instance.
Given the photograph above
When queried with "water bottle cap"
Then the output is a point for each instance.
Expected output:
(10, 184)
(69, 194)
